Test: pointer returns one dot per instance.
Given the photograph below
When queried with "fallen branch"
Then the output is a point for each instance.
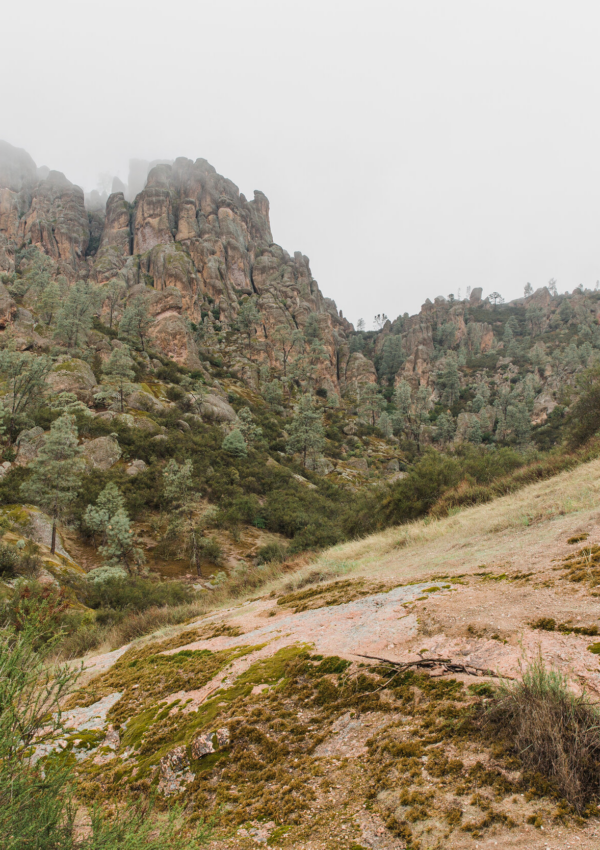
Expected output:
(447, 665)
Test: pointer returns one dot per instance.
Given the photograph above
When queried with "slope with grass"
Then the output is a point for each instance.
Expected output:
(290, 718)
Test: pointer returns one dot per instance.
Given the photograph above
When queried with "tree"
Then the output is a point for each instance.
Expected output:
(177, 482)
(285, 340)
(307, 436)
(385, 424)
(360, 325)
(248, 317)
(528, 290)
(370, 402)
(273, 394)
(50, 301)
(118, 373)
(474, 432)
(234, 444)
(584, 417)
(110, 519)
(392, 358)
(402, 400)
(495, 298)
(248, 427)
(74, 318)
(449, 380)
(312, 330)
(136, 322)
(379, 321)
(56, 472)
(113, 294)
(517, 420)
(39, 274)
(553, 287)
(445, 428)
(24, 375)
(99, 516)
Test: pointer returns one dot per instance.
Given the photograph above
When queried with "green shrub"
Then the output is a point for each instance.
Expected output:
(272, 553)
(136, 594)
(234, 444)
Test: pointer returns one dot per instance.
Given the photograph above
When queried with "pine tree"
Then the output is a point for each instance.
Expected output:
(136, 322)
(449, 380)
(517, 420)
(98, 517)
(50, 300)
(370, 402)
(246, 424)
(177, 482)
(474, 434)
(56, 472)
(307, 436)
(234, 444)
(24, 375)
(385, 424)
(74, 318)
(248, 317)
(113, 294)
(285, 340)
(118, 373)
(528, 290)
(392, 358)
(445, 428)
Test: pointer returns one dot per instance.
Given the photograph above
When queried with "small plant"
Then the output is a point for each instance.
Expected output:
(554, 732)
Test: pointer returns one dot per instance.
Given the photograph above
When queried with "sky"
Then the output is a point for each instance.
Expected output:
(410, 148)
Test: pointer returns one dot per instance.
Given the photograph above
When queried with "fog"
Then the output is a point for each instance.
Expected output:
(410, 149)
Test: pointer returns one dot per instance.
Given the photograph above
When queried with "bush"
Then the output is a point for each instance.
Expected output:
(9, 560)
(272, 553)
(234, 444)
(136, 594)
(554, 732)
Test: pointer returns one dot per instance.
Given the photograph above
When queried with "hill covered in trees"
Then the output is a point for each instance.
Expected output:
(180, 401)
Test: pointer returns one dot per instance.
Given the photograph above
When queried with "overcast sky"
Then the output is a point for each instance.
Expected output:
(408, 148)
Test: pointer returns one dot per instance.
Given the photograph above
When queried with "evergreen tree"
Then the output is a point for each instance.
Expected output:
(50, 300)
(474, 434)
(74, 318)
(234, 444)
(517, 420)
(449, 380)
(402, 400)
(99, 516)
(385, 424)
(370, 402)
(119, 374)
(445, 429)
(248, 317)
(392, 358)
(24, 375)
(312, 330)
(136, 322)
(109, 518)
(113, 293)
(177, 482)
(56, 472)
(307, 436)
(248, 427)
(39, 273)
(273, 394)
(528, 290)
(285, 341)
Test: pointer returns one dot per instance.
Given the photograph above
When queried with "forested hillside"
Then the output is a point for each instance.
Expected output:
(183, 412)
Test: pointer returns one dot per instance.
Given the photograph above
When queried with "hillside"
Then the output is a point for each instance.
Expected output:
(232, 504)
(305, 725)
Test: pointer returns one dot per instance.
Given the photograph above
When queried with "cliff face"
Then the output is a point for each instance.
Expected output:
(188, 230)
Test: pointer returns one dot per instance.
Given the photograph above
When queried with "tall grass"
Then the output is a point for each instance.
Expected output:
(554, 732)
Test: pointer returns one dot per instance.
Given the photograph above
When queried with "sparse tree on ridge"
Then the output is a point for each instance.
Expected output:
(379, 321)
(528, 290)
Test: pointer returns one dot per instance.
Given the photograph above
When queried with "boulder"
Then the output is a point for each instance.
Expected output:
(102, 453)
(28, 444)
(141, 400)
(135, 467)
(217, 409)
(73, 376)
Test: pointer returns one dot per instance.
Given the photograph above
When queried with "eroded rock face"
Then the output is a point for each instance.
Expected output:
(189, 231)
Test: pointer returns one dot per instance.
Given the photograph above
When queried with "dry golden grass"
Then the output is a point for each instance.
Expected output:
(510, 528)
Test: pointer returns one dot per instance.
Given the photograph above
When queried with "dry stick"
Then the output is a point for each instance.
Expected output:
(448, 665)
